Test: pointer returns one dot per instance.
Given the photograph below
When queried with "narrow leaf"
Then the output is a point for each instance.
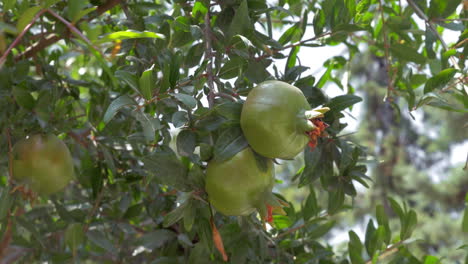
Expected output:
(229, 143)
(156, 239)
(186, 99)
(440, 80)
(129, 34)
(99, 239)
(342, 102)
(146, 83)
(116, 105)
(27, 17)
(186, 141)
(407, 53)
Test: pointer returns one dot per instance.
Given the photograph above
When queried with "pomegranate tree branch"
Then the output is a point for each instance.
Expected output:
(19, 37)
(73, 29)
(31, 52)
(300, 43)
(431, 26)
(389, 251)
(209, 58)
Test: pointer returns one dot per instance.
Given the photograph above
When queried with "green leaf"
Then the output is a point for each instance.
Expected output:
(396, 208)
(348, 28)
(100, 240)
(325, 77)
(361, 9)
(179, 118)
(83, 13)
(370, 234)
(319, 22)
(146, 83)
(256, 71)
(8, 28)
(232, 68)
(32, 228)
(342, 102)
(156, 239)
(355, 248)
(407, 53)
(74, 8)
(240, 42)
(292, 34)
(186, 142)
(27, 17)
(430, 39)
(8, 4)
(129, 34)
(291, 62)
(320, 230)
(335, 200)
(431, 260)
(440, 80)
(206, 151)
(442, 8)
(408, 225)
(74, 236)
(230, 110)
(189, 217)
(23, 97)
(382, 220)
(311, 206)
(434, 100)
(377, 240)
(167, 168)
(149, 124)
(128, 78)
(314, 167)
(116, 105)
(240, 24)
(133, 211)
(199, 9)
(229, 143)
(175, 215)
(186, 100)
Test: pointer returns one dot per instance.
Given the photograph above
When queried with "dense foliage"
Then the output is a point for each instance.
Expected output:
(146, 93)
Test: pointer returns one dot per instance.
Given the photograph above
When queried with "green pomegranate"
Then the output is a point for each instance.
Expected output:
(43, 163)
(242, 184)
(278, 122)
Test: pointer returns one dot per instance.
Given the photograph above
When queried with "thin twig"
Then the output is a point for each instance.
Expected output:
(388, 251)
(388, 63)
(19, 37)
(94, 209)
(227, 96)
(74, 29)
(459, 44)
(49, 41)
(292, 230)
(7, 235)
(209, 58)
(423, 16)
(35, 48)
(300, 43)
